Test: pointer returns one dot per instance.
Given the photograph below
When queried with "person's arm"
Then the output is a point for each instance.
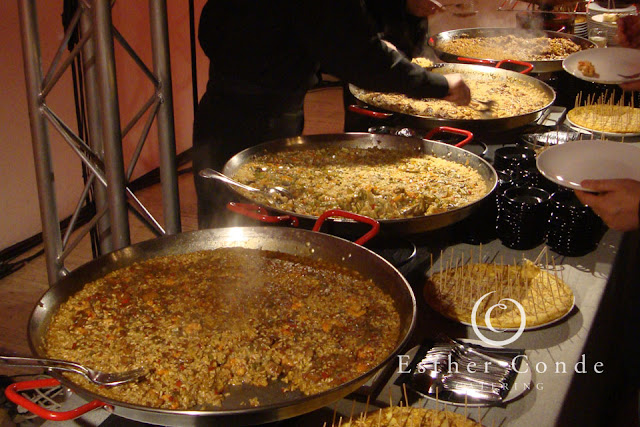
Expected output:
(337, 34)
(616, 201)
(629, 36)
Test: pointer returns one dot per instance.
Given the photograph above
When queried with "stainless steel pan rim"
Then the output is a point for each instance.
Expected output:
(288, 240)
(404, 226)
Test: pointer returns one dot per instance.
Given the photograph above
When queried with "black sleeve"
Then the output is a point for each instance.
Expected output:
(391, 19)
(338, 34)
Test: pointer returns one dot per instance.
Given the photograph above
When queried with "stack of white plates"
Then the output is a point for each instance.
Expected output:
(580, 27)
(605, 19)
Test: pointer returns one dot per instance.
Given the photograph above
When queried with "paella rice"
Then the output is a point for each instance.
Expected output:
(511, 97)
(511, 46)
(208, 321)
(379, 183)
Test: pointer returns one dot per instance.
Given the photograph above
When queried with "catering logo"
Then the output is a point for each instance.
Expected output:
(487, 319)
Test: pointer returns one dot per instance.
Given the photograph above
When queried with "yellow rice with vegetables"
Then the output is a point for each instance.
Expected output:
(206, 322)
(379, 183)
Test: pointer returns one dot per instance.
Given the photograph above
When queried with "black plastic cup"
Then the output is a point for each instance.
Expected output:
(514, 158)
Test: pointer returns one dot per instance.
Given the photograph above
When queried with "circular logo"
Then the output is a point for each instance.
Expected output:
(487, 320)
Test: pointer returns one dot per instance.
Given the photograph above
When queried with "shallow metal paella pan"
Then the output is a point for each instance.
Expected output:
(483, 125)
(277, 404)
(539, 66)
(405, 226)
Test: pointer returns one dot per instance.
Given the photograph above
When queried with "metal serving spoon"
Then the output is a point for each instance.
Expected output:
(95, 376)
(213, 174)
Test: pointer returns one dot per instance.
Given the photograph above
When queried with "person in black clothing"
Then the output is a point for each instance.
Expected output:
(264, 57)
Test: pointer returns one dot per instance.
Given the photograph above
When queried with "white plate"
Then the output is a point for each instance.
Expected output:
(609, 62)
(601, 133)
(569, 163)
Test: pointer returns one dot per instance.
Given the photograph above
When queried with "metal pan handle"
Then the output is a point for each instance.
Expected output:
(469, 135)
(477, 61)
(527, 65)
(368, 112)
(261, 214)
(375, 225)
(12, 393)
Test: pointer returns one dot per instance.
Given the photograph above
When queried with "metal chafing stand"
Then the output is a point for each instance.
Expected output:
(102, 152)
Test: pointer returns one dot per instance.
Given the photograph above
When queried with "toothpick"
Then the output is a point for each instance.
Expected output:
(404, 392)
(466, 395)
(366, 407)
(379, 416)
(353, 407)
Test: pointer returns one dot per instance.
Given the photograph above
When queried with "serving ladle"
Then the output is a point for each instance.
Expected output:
(93, 375)
(269, 192)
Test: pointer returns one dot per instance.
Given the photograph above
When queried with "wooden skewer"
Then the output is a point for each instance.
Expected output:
(379, 417)
(366, 407)
(353, 407)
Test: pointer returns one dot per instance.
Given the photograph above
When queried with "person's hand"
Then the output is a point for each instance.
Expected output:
(459, 92)
(424, 8)
(616, 201)
(629, 36)
(629, 31)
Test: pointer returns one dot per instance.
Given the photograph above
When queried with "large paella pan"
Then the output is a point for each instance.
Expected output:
(271, 403)
(371, 153)
(545, 50)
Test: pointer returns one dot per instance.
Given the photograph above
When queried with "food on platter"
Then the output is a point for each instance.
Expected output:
(455, 291)
(403, 416)
(603, 115)
(207, 321)
(379, 183)
(510, 47)
(587, 68)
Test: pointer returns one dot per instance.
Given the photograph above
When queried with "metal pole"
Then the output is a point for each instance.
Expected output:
(111, 136)
(166, 131)
(95, 129)
(40, 140)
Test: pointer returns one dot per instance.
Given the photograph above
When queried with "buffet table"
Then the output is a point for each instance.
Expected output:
(553, 397)
(576, 364)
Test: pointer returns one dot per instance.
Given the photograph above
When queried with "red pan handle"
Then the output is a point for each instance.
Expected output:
(261, 214)
(469, 135)
(477, 61)
(528, 66)
(369, 113)
(375, 225)
(12, 393)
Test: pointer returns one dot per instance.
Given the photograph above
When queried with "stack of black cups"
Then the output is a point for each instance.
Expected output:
(523, 214)
(522, 205)
(531, 209)
(574, 229)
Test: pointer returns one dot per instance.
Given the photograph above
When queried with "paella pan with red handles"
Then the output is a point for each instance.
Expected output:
(275, 404)
(353, 141)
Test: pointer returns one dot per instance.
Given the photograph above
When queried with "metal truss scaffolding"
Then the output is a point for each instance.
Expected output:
(101, 150)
